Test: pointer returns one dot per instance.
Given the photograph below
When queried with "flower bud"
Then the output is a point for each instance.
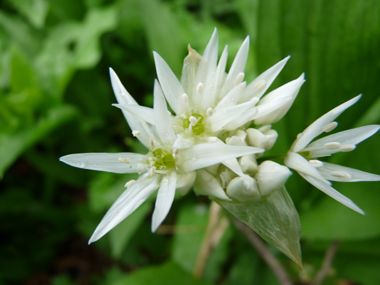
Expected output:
(271, 176)
(244, 189)
(264, 137)
(207, 184)
(248, 164)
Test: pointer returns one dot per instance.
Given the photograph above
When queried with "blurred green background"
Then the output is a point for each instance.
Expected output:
(55, 99)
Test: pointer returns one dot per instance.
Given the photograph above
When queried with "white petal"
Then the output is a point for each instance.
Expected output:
(232, 98)
(349, 137)
(109, 162)
(332, 193)
(206, 184)
(272, 106)
(163, 121)
(143, 113)
(220, 74)
(237, 66)
(356, 175)
(164, 200)
(207, 154)
(290, 89)
(315, 128)
(301, 165)
(225, 116)
(180, 142)
(261, 84)
(185, 182)
(234, 165)
(173, 89)
(124, 98)
(129, 201)
(244, 118)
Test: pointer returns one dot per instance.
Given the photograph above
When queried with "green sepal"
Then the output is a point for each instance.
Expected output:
(275, 219)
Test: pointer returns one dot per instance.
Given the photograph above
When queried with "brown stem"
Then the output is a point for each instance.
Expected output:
(326, 265)
(216, 227)
(262, 249)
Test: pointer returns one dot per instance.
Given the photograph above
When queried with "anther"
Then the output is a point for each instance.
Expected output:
(129, 183)
(200, 88)
(316, 163)
(341, 174)
(347, 147)
(175, 151)
(136, 133)
(185, 98)
(332, 145)
(239, 78)
(329, 127)
(152, 170)
(122, 159)
(260, 85)
(209, 112)
(193, 120)
(151, 142)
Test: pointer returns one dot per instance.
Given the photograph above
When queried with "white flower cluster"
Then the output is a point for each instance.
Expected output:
(219, 127)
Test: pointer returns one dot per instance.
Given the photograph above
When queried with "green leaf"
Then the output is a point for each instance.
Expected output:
(191, 228)
(35, 11)
(167, 274)
(13, 145)
(275, 219)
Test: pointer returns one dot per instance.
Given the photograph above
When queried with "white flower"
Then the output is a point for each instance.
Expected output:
(302, 155)
(163, 167)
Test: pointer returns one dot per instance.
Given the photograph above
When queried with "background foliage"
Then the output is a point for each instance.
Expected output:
(55, 99)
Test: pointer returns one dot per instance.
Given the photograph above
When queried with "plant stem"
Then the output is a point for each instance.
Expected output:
(326, 265)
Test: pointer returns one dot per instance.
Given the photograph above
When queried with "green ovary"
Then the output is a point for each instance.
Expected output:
(199, 127)
(163, 160)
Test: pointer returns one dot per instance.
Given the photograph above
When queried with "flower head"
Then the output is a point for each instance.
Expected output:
(303, 154)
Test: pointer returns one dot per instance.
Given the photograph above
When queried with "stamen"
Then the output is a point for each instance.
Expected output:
(151, 142)
(341, 174)
(175, 151)
(316, 163)
(193, 120)
(152, 171)
(260, 85)
(332, 145)
(347, 147)
(255, 100)
(125, 160)
(136, 133)
(329, 127)
(239, 78)
(228, 139)
(129, 183)
(200, 87)
(209, 112)
(185, 98)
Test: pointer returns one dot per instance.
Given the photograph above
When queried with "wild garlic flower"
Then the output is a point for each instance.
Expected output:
(164, 166)
(303, 154)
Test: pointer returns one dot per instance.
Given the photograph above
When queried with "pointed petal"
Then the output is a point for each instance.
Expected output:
(220, 73)
(244, 118)
(315, 128)
(129, 201)
(143, 113)
(181, 142)
(237, 67)
(301, 165)
(232, 98)
(332, 193)
(163, 122)
(234, 165)
(261, 84)
(223, 117)
(349, 137)
(171, 86)
(185, 182)
(354, 175)
(275, 219)
(272, 106)
(164, 200)
(207, 154)
(290, 89)
(124, 98)
(109, 162)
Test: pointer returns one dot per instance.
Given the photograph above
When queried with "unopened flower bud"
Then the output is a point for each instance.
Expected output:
(264, 137)
(248, 164)
(244, 189)
(207, 184)
(271, 176)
